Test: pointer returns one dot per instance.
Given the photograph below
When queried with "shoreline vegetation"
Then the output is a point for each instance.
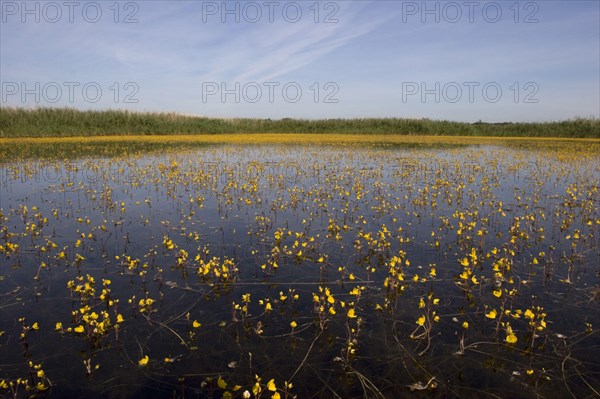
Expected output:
(67, 122)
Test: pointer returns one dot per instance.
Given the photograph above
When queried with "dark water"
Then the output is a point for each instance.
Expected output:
(521, 226)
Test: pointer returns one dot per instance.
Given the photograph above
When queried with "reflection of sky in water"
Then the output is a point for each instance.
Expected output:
(299, 191)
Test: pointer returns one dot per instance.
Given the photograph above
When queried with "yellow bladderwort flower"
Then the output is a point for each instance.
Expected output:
(256, 389)
(492, 314)
(271, 385)
(465, 325)
(511, 338)
(421, 320)
(221, 383)
(196, 324)
(529, 314)
(144, 361)
(351, 313)
(293, 324)
(497, 293)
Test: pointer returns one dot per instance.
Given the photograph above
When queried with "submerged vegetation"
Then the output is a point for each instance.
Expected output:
(65, 122)
(333, 269)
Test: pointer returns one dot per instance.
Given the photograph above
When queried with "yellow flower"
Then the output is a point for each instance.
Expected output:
(529, 314)
(492, 314)
(511, 338)
(276, 396)
(351, 313)
(144, 361)
(293, 324)
(421, 320)
(497, 293)
(465, 325)
(120, 318)
(35, 326)
(58, 326)
(221, 383)
(271, 385)
(78, 329)
(196, 324)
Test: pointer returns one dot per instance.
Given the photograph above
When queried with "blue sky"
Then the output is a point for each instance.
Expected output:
(464, 61)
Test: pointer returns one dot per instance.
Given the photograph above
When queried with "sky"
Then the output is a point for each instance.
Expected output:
(494, 61)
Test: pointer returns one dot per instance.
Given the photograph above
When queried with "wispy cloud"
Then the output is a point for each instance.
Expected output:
(369, 52)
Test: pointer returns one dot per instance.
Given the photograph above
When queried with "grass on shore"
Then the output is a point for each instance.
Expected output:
(67, 122)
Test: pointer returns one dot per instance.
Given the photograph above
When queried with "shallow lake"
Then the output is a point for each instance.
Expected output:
(309, 271)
